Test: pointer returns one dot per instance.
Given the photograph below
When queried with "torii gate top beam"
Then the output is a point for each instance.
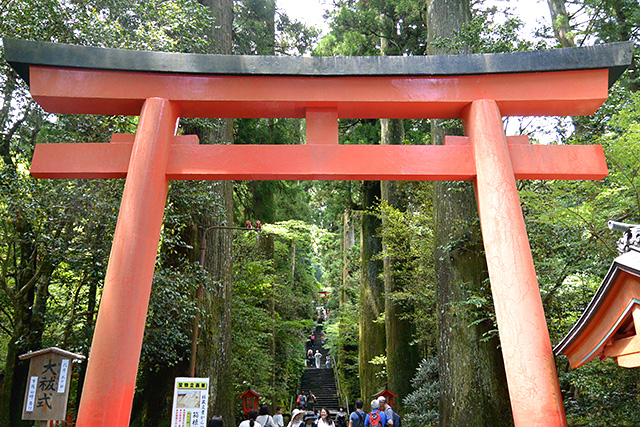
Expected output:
(22, 53)
(87, 80)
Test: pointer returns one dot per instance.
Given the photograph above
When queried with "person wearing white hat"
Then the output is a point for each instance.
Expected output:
(296, 418)
(386, 408)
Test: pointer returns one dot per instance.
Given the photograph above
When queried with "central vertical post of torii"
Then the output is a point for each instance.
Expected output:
(162, 87)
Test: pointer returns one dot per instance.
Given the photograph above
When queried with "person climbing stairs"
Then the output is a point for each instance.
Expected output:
(321, 381)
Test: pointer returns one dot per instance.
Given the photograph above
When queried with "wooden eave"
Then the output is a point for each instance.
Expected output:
(609, 325)
(383, 392)
(250, 392)
(53, 350)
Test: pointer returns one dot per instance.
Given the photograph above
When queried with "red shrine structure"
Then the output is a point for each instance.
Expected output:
(387, 394)
(162, 87)
(249, 401)
(610, 325)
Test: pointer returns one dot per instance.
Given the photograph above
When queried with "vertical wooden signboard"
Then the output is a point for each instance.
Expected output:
(47, 390)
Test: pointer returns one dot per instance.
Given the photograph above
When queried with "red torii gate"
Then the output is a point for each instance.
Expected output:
(163, 87)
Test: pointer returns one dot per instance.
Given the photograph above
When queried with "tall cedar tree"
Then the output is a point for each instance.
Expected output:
(473, 389)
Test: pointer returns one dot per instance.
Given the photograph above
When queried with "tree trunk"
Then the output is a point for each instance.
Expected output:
(348, 240)
(402, 357)
(214, 352)
(560, 22)
(473, 388)
(372, 336)
(29, 311)
(87, 331)
(347, 351)
(265, 245)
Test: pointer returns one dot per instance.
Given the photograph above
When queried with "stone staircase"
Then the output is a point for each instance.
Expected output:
(321, 381)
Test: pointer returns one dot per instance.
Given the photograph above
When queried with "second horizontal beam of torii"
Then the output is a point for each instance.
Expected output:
(189, 160)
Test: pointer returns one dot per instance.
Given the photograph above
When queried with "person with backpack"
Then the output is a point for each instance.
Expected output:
(264, 418)
(356, 419)
(302, 400)
(393, 419)
(311, 401)
(277, 418)
(375, 418)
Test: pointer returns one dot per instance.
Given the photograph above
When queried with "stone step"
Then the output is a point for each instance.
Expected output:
(321, 381)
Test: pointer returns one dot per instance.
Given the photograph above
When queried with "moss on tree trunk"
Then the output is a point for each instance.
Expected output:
(372, 336)
(473, 388)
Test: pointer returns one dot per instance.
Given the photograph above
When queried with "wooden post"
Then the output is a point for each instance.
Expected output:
(113, 363)
(526, 348)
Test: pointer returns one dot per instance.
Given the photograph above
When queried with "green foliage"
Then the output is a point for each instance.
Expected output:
(483, 35)
(172, 310)
(358, 27)
(601, 394)
(342, 335)
(261, 29)
(422, 404)
(274, 288)
(263, 200)
(573, 249)
(408, 234)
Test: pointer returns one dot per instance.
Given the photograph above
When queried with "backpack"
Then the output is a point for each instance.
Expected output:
(360, 419)
(397, 422)
(374, 419)
(267, 423)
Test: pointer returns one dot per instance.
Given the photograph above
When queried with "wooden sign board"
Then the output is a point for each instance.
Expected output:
(47, 390)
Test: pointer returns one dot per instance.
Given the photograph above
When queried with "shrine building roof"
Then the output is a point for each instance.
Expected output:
(23, 53)
(609, 325)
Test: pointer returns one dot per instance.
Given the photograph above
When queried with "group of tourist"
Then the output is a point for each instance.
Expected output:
(315, 359)
(381, 415)
(306, 401)
(305, 414)
(262, 418)
(300, 417)
(314, 356)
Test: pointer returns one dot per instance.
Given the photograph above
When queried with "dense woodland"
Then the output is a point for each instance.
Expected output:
(403, 262)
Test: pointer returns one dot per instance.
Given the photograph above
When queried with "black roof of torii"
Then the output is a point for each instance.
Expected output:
(23, 53)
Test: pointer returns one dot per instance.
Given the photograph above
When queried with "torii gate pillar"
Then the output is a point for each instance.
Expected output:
(526, 348)
(125, 299)
(73, 79)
